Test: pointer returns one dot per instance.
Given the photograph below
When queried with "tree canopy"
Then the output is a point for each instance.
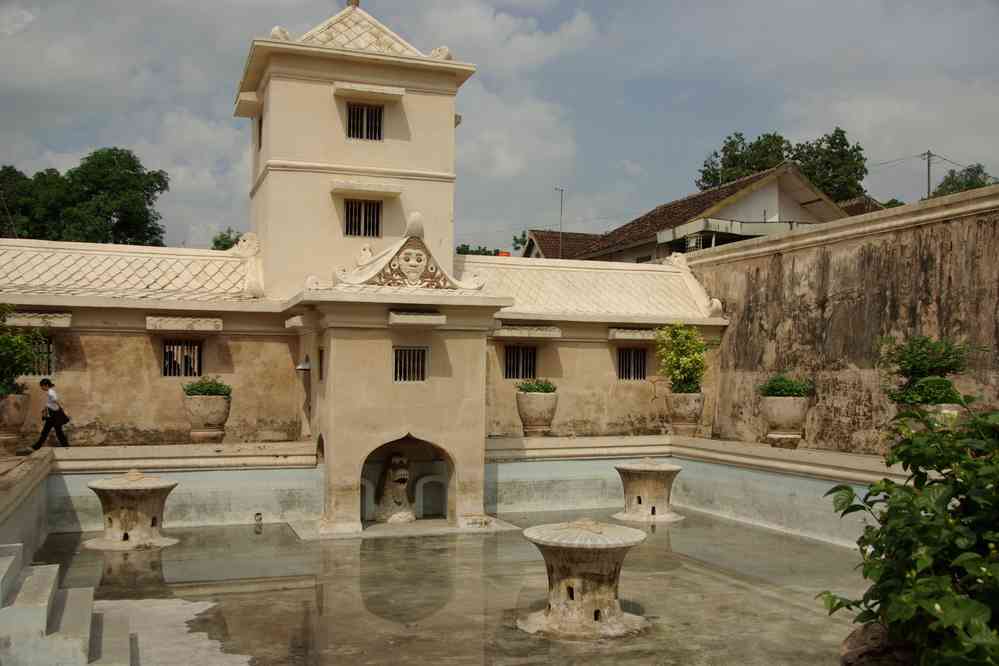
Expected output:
(109, 198)
(465, 248)
(227, 239)
(968, 178)
(831, 162)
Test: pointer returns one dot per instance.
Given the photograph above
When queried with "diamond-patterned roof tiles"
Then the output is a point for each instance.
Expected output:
(117, 271)
(354, 28)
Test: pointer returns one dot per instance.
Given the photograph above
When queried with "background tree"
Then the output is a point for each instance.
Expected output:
(831, 162)
(520, 242)
(465, 248)
(109, 198)
(968, 178)
(893, 203)
(227, 239)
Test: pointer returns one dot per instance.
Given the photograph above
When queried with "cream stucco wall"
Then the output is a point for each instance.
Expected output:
(759, 206)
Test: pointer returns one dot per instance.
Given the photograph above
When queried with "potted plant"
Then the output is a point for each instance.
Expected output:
(536, 403)
(681, 351)
(919, 367)
(784, 405)
(17, 358)
(207, 402)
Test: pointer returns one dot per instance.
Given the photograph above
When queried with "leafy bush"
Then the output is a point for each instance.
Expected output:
(536, 386)
(681, 351)
(208, 386)
(932, 552)
(782, 386)
(923, 364)
(18, 354)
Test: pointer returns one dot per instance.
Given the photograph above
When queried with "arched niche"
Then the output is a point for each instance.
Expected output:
(431, 485)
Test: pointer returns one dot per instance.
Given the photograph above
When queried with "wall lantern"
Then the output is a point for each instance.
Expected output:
(304, 366)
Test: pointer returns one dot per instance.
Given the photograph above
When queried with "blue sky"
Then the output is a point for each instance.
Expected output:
(619, 102)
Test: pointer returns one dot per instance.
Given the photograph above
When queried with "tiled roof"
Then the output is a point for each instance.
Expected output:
(120, 271)
(860, 205)
(670, 215)
(572, 243)
(553, 289)
(354, 28)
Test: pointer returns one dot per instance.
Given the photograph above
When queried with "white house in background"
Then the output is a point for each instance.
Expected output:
(769, 202)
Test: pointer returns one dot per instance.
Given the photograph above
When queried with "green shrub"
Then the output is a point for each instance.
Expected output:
(18, 354)
(931, 553)
(782, 386)
(681, 351)
(928, 391)
(208, 386)
(536, 386)
(921, 365)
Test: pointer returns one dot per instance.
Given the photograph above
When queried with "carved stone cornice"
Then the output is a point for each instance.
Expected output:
(184, 324)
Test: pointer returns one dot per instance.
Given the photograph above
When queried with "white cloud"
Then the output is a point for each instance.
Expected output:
(631, 168)
(14, 19)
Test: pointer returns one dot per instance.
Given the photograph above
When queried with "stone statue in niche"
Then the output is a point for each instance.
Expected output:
(393, 503)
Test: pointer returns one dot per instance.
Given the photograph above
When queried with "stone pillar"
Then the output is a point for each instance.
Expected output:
(133, 506)
(648, 486)
(583, 560)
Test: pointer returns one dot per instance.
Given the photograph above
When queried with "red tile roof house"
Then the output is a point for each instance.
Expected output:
(772, 201)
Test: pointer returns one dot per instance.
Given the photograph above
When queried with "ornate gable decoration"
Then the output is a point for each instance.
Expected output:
(405, 263)
(355, 29)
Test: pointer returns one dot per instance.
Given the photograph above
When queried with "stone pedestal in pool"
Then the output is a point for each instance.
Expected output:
(133, 506)
(584, 561)
(647, 488)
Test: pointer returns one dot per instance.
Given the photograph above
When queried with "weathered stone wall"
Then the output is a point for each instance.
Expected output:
(112, 387)
(816, 303)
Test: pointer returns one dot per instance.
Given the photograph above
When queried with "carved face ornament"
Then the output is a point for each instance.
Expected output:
(412, 263)
(398, 473)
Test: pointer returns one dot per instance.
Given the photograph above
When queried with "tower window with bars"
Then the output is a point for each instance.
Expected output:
(363, 218)
(182, 358)
(411, 364)
(364, 122)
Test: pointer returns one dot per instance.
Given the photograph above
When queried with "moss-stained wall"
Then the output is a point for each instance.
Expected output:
(819, 308)
(112, 386)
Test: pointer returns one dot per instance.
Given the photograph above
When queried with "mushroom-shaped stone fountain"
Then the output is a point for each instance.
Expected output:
(584, 561)
(647, 488)
(133, 506)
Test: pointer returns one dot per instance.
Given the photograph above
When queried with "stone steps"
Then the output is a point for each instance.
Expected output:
(42, 624)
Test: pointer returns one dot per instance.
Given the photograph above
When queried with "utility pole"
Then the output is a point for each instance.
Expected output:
(561, 213)
(928, 156)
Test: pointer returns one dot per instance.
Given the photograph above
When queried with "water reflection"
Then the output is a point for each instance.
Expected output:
(410, 584)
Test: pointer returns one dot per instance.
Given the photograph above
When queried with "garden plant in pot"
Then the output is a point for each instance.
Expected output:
(930, 550)
(17, 358)
(784, 405)
(681, 351)
(207, 401)
(918, 368)
(536, 403)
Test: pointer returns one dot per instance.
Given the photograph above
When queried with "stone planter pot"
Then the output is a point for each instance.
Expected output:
(537, 411)
(208, 414)
(785, 418)
(685, 412)
(13, 412)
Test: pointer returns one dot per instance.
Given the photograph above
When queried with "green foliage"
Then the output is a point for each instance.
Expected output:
(831, 162)
(18, 353)
(465, 248)
(681, 351)
(893, 203)
(520, 242)
(208, 386)
(226, 240)
(922, 363)
(109, 198)
(536, 386)
(969, 178)
(931, 550)
(782, 386)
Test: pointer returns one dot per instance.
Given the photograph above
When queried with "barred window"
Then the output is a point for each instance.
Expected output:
(45, 358)
(521, 362)
(410, 364)
(181, 358)
(631, 363)
(364, 122)
(364, 218)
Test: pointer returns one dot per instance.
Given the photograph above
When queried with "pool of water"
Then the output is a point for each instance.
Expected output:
(715, 592)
